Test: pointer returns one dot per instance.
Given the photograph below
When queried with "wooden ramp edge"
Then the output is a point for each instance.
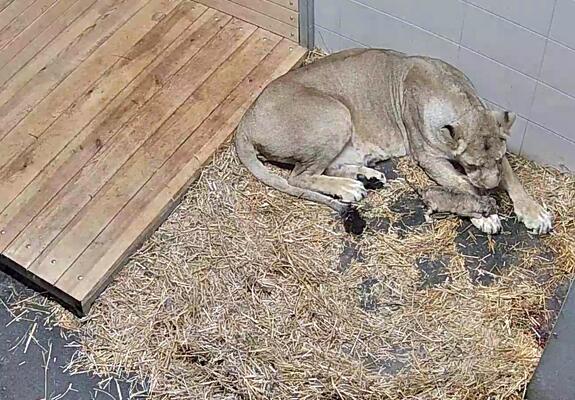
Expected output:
(106, 119)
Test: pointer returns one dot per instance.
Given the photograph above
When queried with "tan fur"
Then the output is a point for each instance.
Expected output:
(443, 200)
(335, 118)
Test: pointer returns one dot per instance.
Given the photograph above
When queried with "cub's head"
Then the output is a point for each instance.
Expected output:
(478, 142)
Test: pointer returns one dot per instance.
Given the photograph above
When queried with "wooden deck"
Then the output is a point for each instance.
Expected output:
(108, 108)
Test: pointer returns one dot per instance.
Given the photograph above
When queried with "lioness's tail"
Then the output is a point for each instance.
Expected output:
(248, 156)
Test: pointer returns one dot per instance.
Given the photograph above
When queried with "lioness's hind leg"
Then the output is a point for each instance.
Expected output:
(325, 141)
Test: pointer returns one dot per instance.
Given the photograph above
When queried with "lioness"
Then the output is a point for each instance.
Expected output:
(335, 118)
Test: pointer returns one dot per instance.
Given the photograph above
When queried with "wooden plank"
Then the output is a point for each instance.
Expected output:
(24, 56)
(33, 282)
(270, 9)
(254, 17)
(291, 4)
(12, 10)
(71, 47)
(9, 32)
(59, 212)
(33, 125)
(89, 273)
(96, 134)
(18, 173)
(118, 191)
(20, 96)
(33, 31)
(4, 4)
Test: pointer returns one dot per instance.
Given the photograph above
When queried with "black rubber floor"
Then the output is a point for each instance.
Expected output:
(33, 356)
(554, 378)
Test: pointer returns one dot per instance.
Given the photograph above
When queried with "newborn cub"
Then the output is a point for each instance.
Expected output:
(440, 199)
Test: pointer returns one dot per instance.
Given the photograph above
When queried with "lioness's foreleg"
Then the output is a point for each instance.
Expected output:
(445, 174)
(533, 216)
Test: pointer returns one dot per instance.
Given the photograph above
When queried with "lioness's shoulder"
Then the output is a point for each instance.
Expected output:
(354, 56)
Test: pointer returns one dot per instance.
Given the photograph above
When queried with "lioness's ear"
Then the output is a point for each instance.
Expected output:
(461, 147)
(505, 119)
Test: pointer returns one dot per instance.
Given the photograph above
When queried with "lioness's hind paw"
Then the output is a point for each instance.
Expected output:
(490, 225)
(350, 191)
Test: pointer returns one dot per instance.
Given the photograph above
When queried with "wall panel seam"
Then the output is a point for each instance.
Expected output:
(571, 141)
(439, 37)
(413, 25)
(341, 36)
(554, 41)
(526, 118)
(507, 19)
(541, 62)
(536, 79)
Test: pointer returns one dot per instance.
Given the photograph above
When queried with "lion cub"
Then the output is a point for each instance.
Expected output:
(443, 200)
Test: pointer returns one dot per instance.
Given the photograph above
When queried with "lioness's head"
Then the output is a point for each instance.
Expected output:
(479, 142)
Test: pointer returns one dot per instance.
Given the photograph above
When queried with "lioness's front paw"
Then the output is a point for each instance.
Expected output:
(490, 225)
(535, 218)
(350, 191)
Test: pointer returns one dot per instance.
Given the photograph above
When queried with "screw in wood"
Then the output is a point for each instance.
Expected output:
(2, 232)
(28, 245)
(53, 262)
(80, 277)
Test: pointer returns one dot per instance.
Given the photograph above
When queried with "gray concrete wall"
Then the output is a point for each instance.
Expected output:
(520, 54)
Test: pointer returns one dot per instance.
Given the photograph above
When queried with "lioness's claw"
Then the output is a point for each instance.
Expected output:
(535, 218)
(489, 225)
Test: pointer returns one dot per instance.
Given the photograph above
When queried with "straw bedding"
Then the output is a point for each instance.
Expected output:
(247, 293)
